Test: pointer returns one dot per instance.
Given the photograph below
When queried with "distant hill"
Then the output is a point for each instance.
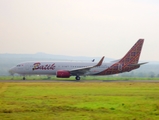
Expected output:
(44, 56)
(9, 60)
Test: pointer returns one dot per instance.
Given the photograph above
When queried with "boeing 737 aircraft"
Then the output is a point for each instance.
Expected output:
(66, 69)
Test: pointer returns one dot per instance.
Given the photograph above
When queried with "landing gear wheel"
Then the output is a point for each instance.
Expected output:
(23, 78)
(77, 77)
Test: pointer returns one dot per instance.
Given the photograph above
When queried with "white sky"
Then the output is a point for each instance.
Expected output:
(79, 27)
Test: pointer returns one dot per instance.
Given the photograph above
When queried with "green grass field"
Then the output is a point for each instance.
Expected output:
(79, 101)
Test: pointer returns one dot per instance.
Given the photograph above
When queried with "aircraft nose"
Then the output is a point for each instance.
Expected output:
(12, 70)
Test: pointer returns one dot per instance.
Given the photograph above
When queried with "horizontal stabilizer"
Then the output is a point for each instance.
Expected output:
(138, 64)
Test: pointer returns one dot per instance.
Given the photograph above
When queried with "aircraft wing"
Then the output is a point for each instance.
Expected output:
(116, 60)
(83, 70)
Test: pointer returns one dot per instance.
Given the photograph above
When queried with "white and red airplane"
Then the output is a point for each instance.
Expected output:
(66, 69)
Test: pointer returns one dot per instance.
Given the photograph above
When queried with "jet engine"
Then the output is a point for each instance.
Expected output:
(63, 74)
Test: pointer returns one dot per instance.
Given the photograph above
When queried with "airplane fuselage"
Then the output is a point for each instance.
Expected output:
(51, 68)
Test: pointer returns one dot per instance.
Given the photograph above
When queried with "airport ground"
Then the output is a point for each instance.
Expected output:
(85, 99)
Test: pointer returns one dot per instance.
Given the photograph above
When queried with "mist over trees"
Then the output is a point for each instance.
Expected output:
(9, 60)
(149, 70)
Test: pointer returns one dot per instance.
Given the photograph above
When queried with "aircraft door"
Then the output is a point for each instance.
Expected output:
(120, 67)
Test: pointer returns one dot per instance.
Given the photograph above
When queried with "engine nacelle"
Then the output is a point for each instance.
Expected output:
(63, 74)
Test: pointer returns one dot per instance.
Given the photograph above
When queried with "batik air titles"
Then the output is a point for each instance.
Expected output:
(67, 69)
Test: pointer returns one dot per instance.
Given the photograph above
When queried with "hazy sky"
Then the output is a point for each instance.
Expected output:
(79, 27)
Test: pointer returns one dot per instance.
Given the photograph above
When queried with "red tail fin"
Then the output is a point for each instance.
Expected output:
(133, 55)
(128, 62)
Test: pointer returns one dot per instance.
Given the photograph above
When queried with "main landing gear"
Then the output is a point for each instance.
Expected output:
(23, 78)
(77, 78)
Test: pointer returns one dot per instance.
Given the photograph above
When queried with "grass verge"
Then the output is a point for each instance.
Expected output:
(79, 100)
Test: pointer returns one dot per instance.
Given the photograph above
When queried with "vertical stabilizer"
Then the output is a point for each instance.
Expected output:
(133, 55)
(128, 62)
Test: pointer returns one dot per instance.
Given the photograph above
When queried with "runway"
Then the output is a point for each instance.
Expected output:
(65, 81)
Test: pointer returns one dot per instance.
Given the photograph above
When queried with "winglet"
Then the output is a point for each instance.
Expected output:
(100, 62)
